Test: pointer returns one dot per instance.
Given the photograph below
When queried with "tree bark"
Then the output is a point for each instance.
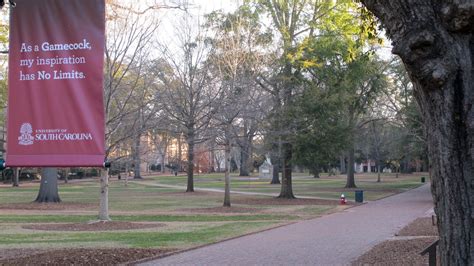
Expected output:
(276, 174)
(436, 43)
(378, 172)
(244, 161)
(286, 179)
(350, 183)
(49, 186)
(66, 175)
(350, 180)
(227, 175)
(16, 177)
(190, 170)
(104, 195)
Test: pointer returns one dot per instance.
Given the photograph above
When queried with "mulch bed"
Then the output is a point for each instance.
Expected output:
(47, 206)
(396, 252)
(278, 201)
(11, 253)
(419, 227)
(222, 210)
(95, 226)
(421, 233)
(82, 256)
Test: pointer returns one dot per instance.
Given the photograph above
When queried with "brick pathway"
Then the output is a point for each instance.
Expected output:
(335, 239)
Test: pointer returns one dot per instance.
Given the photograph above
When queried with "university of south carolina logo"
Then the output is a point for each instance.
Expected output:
(26, 137)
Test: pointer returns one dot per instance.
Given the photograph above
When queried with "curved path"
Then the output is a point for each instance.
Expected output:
(335, 239)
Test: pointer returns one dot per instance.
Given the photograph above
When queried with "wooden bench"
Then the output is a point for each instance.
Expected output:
(431, 250)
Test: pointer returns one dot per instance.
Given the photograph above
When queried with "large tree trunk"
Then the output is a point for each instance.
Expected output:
(104, 195)
(435, 41)
(49, 186)
(190, 170)
(350, 182)
(286, 179)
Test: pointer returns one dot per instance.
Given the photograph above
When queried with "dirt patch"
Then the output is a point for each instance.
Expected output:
(420, 227)
(85, 256)
(96, 226)
(222, 210)
(278, 201)
(396, 252)
(47, 206)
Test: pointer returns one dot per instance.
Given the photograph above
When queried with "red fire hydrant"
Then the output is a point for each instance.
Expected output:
(343, 199)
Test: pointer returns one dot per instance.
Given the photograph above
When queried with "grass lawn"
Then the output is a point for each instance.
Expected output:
(330, 187)
(185, 219)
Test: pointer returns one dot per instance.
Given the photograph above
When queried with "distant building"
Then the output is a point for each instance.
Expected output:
(367, 166)
(266, 169)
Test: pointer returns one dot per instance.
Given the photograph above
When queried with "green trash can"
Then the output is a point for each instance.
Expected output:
(423, 179)
(359, 196)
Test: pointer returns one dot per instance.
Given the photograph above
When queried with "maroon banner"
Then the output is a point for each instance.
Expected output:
(55, 83)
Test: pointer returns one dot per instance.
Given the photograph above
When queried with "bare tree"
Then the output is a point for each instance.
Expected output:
(189, 93)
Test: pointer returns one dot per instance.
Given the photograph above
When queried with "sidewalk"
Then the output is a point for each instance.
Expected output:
(335, 239)
(218, 190)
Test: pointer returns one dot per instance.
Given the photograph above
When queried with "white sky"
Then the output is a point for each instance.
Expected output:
(202, 7)
(170, 18)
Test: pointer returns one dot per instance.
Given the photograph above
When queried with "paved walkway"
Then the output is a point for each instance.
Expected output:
(222, 191)
(335, 239)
